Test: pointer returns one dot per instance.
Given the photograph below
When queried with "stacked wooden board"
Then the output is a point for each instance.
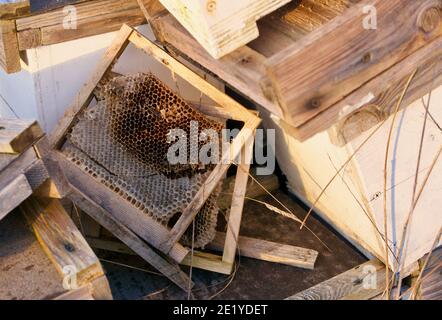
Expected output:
(21, 30)
(327, 78)
(42, 253)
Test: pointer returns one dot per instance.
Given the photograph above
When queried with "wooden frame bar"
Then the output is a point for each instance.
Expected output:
(123, 212)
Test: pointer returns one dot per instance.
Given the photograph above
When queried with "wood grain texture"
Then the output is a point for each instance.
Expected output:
(14, 194)
(129, 238)
(14, 9)
(221, 26)
(379, 96)
(237, 203)
(61, 240)
(9, 54)
(93, 17)
(362, 283)
(269, 251)
(16, 135)
(344, 55)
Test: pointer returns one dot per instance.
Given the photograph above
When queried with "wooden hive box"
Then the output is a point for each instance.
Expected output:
(120, 214)
(327, 81)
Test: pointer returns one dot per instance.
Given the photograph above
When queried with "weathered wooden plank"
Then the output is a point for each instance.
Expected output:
(9, 54)
(221, 26)
(14, 9)
(344, 54)
(109, 222)
(17, 166)
(14, 194)
(208, 261)
(269, 251)
(151, 8)
(379, 96)
(235, 110)
(61, 240)
(362, 282)
(123, 211)
(237, 204)
(84, 97)
(16, 135)
(242, 69)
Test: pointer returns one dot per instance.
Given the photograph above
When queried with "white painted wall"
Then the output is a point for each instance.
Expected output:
(54, 74)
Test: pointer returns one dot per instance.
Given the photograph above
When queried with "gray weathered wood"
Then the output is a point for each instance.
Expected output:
(108, 221)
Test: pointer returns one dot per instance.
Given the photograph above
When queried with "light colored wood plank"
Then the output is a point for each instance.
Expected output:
(109, 222)
(86, 11)
(84, 97)
(61, 240)
(237, 204)
(235, 110)
(345, 55)
(9, 54)
(14, 9)
(221, 26)
(208, 261)
(16, 135)
(269, 251)
(361, 283)
(14, 194)
(242, 69)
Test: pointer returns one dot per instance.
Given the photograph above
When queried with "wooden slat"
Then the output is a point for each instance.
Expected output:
(61, 240)
(14, 194)
(209, 185)
(84, 97)
(224, 26)
(242, 69)
(235, 110)
(9, 54)
(58, 186)
(151, 8)
(382, 91)
(237, 204)
(17, 166)
(123, 211)
(269, 251)
(14, 9)
(360, 283)
(343, 54)
(109, 222)
(16, 135)
(208, 261)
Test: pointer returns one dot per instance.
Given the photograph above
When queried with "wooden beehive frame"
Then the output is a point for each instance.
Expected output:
(89, 195)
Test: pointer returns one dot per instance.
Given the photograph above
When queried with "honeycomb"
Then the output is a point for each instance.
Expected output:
(122, 143)
(142, 111)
